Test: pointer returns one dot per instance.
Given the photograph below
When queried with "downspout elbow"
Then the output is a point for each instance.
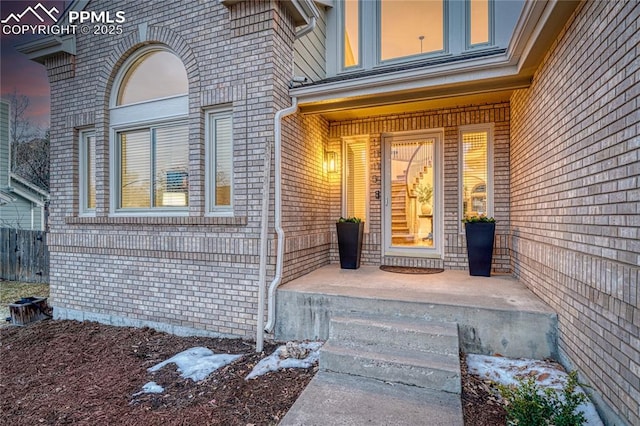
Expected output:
(307, 28)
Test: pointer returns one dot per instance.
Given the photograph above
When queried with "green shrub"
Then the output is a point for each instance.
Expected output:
(349, 220)
(529, 405)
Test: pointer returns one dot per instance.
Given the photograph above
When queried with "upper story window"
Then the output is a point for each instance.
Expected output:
(150, 135)
(409, 28)
(351, 29)
(479, 23)
(377, 33)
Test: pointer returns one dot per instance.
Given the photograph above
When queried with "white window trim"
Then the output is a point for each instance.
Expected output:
(115, 181)
(83, 175)
(344, 201)
(474, 128)
(214, 210)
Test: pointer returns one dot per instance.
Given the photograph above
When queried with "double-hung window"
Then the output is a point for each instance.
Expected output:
(219, 146)
(87, 151)
(150, 135)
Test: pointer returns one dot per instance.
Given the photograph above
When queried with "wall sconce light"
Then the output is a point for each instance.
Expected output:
(331, 159)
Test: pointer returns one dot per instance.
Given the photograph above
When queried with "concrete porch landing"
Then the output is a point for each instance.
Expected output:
(494, 315)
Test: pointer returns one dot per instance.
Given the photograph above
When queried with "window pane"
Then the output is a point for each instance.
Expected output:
(479, 21)
(474, 173)
(90, 161)
(155, 75)
(223, 160)
(351, 33)
(135, 169)
(411, 28)
(171, 181)
(356, 179)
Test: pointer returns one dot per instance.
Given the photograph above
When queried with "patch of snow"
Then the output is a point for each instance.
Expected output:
(507, 371)
(280, 359)
(151, 387)
(197, 363)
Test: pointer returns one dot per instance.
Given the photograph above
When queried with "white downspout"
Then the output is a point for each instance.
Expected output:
(278, 227)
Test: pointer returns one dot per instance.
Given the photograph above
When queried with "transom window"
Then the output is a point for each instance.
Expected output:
(150, 135)
(155, 75)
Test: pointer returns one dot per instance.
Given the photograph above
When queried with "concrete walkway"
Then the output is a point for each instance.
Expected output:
(339, 399)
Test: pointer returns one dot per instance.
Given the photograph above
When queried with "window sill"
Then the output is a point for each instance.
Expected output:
(170, 221)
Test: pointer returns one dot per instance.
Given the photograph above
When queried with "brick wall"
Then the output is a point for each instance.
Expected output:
(196, 271)
(575, 202)
(306, 214)
(450, 119)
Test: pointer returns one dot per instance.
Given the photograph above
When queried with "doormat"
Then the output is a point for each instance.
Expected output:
(410, 270)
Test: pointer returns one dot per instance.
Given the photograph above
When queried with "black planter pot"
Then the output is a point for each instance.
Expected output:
(350, 243)
(480, 236)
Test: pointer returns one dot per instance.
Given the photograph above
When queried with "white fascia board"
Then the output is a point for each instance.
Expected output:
(15, 178)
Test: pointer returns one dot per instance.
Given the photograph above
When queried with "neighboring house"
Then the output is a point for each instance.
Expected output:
(526, 111)
(22, 204)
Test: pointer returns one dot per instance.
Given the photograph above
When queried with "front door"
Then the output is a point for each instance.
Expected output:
(412, 185)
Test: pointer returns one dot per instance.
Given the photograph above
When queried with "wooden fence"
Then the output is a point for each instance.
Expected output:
(24, 255)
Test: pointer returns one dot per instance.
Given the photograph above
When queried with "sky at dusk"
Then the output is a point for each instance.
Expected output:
(17, 73)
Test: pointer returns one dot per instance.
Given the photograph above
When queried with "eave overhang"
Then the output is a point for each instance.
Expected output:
(39, 50)
(27, 190)
(302, 11)
(510, 69)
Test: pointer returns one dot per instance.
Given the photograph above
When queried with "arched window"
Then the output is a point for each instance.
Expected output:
(150, 135)
(155, 75)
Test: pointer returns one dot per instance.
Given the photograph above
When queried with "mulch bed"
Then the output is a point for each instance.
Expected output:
(480, 404)
(66, 372)
(72, 373)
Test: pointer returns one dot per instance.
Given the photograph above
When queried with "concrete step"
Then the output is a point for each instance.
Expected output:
(410, 351)
(408, 367)
(405, 334)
